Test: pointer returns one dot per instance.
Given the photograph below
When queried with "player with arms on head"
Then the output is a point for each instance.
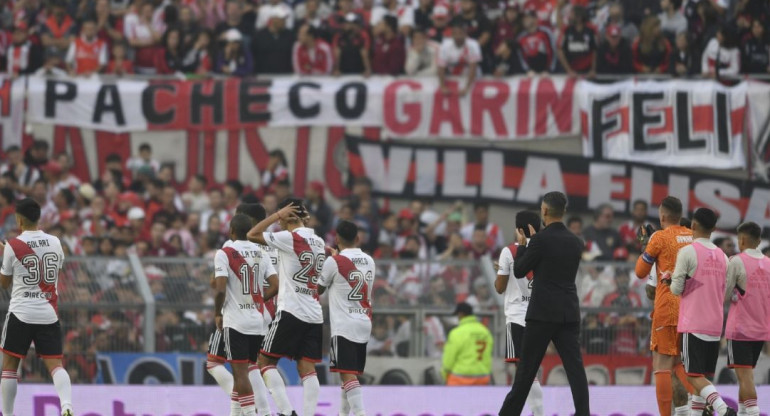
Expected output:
(217, 355)
(31, 263)
(660, 249)
(748, 323)
(517, 294)
(349, 277)
(700, 278)
(297, 329)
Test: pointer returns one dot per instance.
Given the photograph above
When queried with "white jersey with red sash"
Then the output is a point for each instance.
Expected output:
(518, 292)
(271, 305)
(301, 256)
(34, 259)
(350, 277)
(246, 267)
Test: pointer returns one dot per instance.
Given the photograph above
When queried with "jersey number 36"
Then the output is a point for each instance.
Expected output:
(40, 269)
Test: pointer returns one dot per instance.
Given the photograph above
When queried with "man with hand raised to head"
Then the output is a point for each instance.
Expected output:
(553, 255)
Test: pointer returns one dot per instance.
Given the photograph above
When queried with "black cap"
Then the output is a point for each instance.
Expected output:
(464, 308)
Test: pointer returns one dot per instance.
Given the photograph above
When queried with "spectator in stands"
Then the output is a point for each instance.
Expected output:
(198, 59)
(438, 293)
(24, 57)
(722, 56)
(277, 170)
(600, 14)
(272, 45)
(217, 209)
(403, 13)
(314, 13)
(493, 232)
(755, 50)
(422, 14)
(672, 21)
(57, 29)
(617, 17)
(440, 28)
(614, 54)
(628, 230)
(480, 244)
(727, 245)
(421, 56)
(143, 159)
(233, 20)
(543, 9)
(311, 54)
(272, 9)
(477, 25)
(682, 60)
(577, 48)
(7, 211)
(602, 234)
(231, 194)
(535, 46)
(109, 27)
(168, 58)
(459, 56)
(351, 48)
(318, 207)
(235, 59)
(196, 199)
(119, 65)
(188, 27)
(508, 26)
(651, 51)
(388, 55)
(142, 37)
(336, 22)
(507, 61)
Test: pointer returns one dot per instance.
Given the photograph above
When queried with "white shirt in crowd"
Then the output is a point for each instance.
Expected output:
(456, 60)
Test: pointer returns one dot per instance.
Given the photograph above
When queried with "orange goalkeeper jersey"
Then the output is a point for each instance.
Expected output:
(661, 251)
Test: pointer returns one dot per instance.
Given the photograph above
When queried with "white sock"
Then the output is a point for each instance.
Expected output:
(221, 375)
(8, 385)
(682, 410)
(61, 380)
(697, 405)
(247, 405)
(714, 399)
(741, 409)
(277, 389)
(310, 391)
(355, 397)
(535, 398)
(752, 407)
(344, 404)
(235, 405)
(260, 390)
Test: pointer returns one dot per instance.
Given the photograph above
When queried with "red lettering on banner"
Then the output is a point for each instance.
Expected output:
(333, 175)
(257, 149)
(108, 143)
(5, 97)
(576, 184)
(78, 154)
(668, 122)
(584, 125)
(473, 174)
(522, 107)
(233, 153)
(702, 118)
(512, 176)
(547, 98)
(621, 112)
(372, 133)
(736, 120)
(209, 153)
(412, 111)
(301, 157)
(491, 105)
(446, 109)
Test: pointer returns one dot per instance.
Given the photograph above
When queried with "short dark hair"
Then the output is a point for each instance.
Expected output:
(719, 240)
(202, 179)
(556, 202)
(236, 185)
(481, 204)
(391, 22)
(69, 197)
(8, 194)
(672, 205)
(28, 209)
(347, 231)
(526, 218)
(113, 158)
(640, 202)
(254, 211)
(300, 204)
(706, 217)
(12, 148)
(145, 146)
(574, 218)
(40, 144)
(600, 209)
(240, 225)
(750, 229)
(676, 4)
(685, 222)
(459, 23)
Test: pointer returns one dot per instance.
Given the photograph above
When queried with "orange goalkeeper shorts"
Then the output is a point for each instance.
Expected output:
(665, 340)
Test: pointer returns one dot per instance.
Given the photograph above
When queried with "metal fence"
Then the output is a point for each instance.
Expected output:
(161, 305)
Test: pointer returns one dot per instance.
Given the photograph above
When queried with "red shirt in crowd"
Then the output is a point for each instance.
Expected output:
(59, 30)
(579, 47)
(317, 60)
(389, 56)
(123, 67)
(87, 56)
(536, 50)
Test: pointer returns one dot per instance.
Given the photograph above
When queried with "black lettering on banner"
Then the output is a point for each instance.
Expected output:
(187, 370)
(114, 106)
(295, 104)
(215, 100)
(638, 100)
(722, 120)
(148, 370)
(148, 105)
(359, 105)
(52, 95)
(598, 126)
(684, 123)
(246, 100)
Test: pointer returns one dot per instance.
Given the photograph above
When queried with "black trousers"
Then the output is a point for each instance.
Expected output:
(537, 335)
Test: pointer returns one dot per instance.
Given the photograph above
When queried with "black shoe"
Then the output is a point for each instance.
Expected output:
(731, 412)
(708, 410)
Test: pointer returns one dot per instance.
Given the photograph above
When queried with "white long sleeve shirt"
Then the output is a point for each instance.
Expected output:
(727, 60)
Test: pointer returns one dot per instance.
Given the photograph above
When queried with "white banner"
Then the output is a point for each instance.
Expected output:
(11, 111)
(674, 123)
(758, 96)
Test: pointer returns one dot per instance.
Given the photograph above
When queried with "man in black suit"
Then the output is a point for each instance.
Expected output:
(553, 255)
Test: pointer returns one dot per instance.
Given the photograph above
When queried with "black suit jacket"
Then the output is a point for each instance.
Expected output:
(553, 255)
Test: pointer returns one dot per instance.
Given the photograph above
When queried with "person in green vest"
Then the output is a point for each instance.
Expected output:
(467, 357)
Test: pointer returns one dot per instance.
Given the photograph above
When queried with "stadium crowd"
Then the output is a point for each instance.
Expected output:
(388, 37)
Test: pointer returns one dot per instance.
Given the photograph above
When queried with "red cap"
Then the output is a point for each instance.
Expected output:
(130, 197)
(318, 186)
(53, 167)
(406, 214)
(613, 31)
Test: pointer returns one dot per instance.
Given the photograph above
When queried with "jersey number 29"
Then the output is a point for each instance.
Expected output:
(40, 269)
(311, 267)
